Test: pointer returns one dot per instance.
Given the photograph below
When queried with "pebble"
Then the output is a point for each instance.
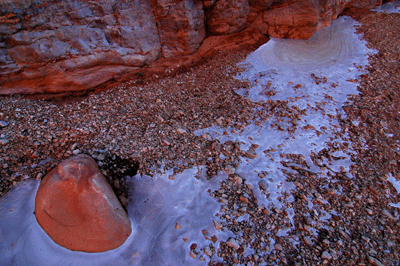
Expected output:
(238, 180)
(181, 131)
(326, 255)
(369, 211)
(263, 185)
(217, 225)
(233, 244)
(230, 169)
(73, 147)
(4, 141)
(307, 240)
(3, 123)
(76, 152)
(207, 251)
(278, 247)
(374, 261)
(123, 200)
(116, 184)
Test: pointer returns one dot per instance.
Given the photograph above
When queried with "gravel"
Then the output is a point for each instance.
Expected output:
(139, 128)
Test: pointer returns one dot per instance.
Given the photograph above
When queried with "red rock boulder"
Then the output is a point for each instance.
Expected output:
(77, 208)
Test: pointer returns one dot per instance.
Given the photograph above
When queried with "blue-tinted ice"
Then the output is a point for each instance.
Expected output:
(167, 216)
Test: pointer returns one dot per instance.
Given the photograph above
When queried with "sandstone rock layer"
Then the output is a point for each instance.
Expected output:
(77, 208)
(66, 46)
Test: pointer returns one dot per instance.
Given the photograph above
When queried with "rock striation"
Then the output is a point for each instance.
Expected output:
(77, 208)
(49, 46)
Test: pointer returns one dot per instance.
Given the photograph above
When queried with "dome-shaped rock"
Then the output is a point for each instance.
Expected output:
(77, 208)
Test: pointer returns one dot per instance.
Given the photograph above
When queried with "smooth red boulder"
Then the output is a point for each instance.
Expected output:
(77, 208)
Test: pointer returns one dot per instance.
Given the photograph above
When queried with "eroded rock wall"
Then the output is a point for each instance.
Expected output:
(68, 45)
(51, 46)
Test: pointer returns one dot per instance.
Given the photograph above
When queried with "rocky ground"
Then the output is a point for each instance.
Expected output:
(144, 124)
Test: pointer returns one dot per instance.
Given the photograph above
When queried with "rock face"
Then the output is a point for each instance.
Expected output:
(49, 46)
(180, 25)
(228, 16)
(299, 19)
(77, 208)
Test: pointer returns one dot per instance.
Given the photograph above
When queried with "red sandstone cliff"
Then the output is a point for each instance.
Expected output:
(53, 46)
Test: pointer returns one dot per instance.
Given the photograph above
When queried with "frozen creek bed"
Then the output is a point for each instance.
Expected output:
(290, 199)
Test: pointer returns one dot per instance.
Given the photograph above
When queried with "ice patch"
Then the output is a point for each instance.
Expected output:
(315, 76)
(388, 7)
(167, 217)
(396, 185)
(394, 182)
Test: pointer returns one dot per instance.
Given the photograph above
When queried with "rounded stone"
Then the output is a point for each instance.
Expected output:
(77, 208)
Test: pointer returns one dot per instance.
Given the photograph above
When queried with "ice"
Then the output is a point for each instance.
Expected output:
(315, 76)
(389, 7)
(394, 182)
(396, 185)
(157, 204)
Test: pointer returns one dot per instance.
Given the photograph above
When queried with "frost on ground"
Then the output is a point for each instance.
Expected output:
(170, 214)
(389, 7)
(314, 77)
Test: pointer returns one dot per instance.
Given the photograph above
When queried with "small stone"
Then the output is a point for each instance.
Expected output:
(4, 141)
(192, 254)
(101, 157)
(217, 225)
(326, 255)
(233, 244)
(39, 176)
(374, 261)
(123, 200)
(3, 123)
(116, 184)
(207, 251)
(245, 200)
(177, 226)
(181, 131)
(73, 147)
(76, 152)
(5, 166)
(388, 214)
(230, 170)
(278, 247)
(307, 240)
(263, 185)
(238, 180)
(219, 121)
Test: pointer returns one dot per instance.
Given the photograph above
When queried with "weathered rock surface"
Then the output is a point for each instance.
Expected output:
(228, 16)
(51, 46)
(300, 19)
(77, 208)
(180, 26)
